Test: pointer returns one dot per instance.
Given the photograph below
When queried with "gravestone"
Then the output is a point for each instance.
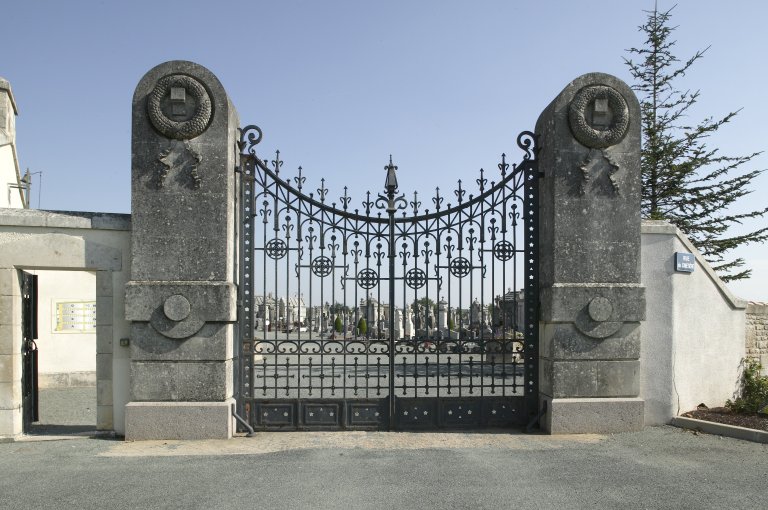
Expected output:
(181, 297)
(589, 235)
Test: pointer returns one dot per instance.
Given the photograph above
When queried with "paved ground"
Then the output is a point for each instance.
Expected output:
(66, 411)
(353, 370)
(661, 467)
(658, 468)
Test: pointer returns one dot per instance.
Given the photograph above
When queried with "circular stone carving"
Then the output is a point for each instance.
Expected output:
(177, 307)
(276, 249)
(460, 267)
(600, 309)
(195, 99)
(367, 278)
(504, 250)
(415, 278)
(322, 266)
(613, 121)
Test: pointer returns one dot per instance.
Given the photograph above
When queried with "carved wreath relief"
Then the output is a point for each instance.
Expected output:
(180, 108)
(599, 118)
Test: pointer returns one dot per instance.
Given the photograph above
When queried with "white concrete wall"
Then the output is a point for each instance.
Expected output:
(10, 194)
(694, 332)
(34, 240)
(66, 358)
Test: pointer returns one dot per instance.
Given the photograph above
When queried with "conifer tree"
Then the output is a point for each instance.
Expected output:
(362, 326)
(337, 325)
(685, 180)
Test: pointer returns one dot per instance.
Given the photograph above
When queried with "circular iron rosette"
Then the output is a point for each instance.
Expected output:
(504, 250)
(415, 278)
(276, 249)
(460, 267)
(322, 266)
(367, 278)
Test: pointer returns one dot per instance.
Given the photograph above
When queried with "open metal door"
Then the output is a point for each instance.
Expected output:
(29, 388)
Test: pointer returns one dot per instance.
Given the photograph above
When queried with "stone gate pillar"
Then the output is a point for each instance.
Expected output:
(181, 297)
(590, 291)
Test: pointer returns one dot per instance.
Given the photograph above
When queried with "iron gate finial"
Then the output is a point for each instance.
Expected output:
(391, 183)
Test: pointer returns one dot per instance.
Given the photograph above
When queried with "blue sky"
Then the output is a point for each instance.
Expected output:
(337, 86)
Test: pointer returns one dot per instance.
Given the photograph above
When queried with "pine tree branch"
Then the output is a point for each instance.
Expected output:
(684, 180)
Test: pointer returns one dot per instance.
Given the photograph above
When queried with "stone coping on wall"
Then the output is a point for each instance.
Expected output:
(12, 217)
(664, 227)
(721, 429)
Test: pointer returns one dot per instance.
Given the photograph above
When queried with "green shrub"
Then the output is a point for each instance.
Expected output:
(337, 325)
(362, 326)
(754, 389)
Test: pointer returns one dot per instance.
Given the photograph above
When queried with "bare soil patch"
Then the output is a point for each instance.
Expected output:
(728, 417)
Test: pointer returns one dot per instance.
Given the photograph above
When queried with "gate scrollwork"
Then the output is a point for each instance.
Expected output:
(388, 315)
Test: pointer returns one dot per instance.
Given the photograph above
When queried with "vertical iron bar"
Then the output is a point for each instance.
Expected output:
(391, 279)
(531, 302)
(246, 285)
(241, 296)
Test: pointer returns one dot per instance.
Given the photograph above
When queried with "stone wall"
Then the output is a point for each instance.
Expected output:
(757, 333)
(99, 242)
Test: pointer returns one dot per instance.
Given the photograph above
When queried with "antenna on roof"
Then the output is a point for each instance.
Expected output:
(26, 184)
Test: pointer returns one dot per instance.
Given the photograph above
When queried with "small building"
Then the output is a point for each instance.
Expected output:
(15, 192)
(66, 340)
(285, 313)
(510, 310)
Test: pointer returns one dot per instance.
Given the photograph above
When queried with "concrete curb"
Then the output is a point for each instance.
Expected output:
(756, 436)
(36, 438)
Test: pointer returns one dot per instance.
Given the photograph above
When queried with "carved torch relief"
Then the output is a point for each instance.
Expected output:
(599, 119)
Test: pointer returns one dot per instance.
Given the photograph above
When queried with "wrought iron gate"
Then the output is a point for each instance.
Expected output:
(29, 389)
(395, 315)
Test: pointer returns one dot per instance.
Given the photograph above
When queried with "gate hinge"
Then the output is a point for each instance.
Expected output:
(239, 170)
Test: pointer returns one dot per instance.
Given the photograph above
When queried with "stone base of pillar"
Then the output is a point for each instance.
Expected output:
(592, 415)
(178, 420)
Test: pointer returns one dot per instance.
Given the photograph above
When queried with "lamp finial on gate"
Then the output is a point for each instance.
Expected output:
(391, 202)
